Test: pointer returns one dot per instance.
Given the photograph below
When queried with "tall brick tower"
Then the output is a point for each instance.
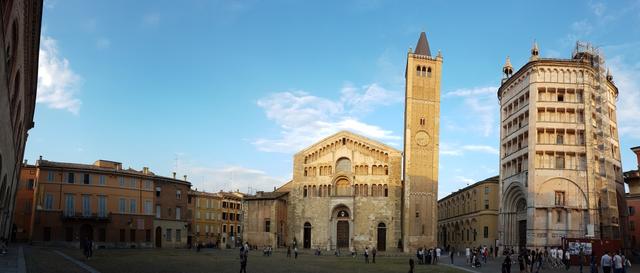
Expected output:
(421, 142)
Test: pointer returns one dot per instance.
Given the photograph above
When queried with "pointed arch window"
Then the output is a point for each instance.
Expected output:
(424, 71)
(418, 70)
(429, 72)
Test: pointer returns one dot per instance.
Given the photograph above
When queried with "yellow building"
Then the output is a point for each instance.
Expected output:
(207, 217)
(469, 217)
(421, 144)
(231, 218)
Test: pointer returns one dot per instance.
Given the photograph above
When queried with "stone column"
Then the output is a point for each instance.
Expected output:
(568, 223)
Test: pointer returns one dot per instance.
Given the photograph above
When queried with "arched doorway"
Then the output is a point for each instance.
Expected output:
(158, 237)
(86, 232)
(342, 228)
(382, 237)
(306, 241)
(513, 218)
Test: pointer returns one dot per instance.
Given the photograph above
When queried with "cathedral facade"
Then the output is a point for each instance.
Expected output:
(350, 192)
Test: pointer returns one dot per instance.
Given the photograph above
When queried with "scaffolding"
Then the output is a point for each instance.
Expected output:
(601, 146)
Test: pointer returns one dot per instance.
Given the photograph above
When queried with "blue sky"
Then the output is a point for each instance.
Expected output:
(226, 91)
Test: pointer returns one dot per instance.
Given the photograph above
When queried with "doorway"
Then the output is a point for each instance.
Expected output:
(522, 233)
(342, 235)
(306, 243)
(158, 237)
(86, 232)
(382, 237)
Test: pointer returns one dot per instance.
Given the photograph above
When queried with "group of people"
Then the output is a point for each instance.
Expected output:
(428, 256)
(530, 261)
(618, 263)
(267, 251)
(477, 255)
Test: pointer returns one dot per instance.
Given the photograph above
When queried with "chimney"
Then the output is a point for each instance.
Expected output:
(145, 170)
(174, 175)
(25, 162)
(185, 177)
(40, 157)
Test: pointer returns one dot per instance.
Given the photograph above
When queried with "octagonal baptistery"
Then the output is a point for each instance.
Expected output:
(346, 193)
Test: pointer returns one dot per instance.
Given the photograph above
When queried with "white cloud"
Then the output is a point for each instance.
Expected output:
(230, 178)
(483, 106)
(459, 150)
(57, 83)
(304, 118)
(489, 90)
(628, 105)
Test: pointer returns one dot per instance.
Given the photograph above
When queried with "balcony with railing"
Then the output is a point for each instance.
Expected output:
(80, 216)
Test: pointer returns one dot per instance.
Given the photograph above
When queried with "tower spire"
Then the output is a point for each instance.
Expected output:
(534, 51)
(422, 48)
(507, 69)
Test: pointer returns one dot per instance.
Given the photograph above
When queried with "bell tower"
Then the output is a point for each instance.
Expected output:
(421, 143)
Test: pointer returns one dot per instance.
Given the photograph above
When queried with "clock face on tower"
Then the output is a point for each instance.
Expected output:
(422, 138)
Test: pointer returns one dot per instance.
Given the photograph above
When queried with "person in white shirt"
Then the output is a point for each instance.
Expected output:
(605, 261)
(567, 260)
(438, 250)
(617, 263)
(468, 252)
(560, 257)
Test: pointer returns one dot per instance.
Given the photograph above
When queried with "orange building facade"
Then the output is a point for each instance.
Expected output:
(231, 218)
(101, 202)
(23, 211)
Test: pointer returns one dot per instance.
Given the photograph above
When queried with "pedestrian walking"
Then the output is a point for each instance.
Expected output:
(468, 253)
(567, 260)
(593, 263)
(90, 248)
(243, 260)
(617, 263)
(506, 265)
(451, 255)
(438, 250)
(605, 261)
(411, 265)
(373, 253)
(580, 259)
(289, 252)
(366, 255)
(295, 252)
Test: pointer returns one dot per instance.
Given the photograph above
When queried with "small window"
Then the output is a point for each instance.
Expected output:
(429, 72)
(559, 161)
(178, 194)
(71, 178)
(632, 211)
(121, 180)
(267, 225)
(87, 179)
(486, 232)
(417, 214)
(158, 189)
(560, 139)
(102, 180)
(560, 97)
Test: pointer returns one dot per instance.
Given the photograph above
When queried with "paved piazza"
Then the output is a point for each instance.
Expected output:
(179, 260)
